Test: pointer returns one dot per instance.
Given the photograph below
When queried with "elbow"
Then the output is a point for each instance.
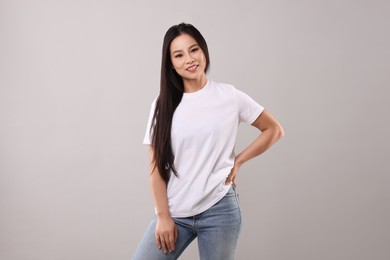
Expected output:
(279, 132)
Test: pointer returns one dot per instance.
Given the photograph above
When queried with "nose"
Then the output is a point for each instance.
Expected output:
(190, 59)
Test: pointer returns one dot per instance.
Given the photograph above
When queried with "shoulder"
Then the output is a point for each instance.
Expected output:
(221, 85)
(223, 88)
(154, 102)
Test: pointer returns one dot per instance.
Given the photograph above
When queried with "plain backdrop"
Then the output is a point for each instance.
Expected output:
(76, 82)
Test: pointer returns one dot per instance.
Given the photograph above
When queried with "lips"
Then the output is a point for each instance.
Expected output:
(192, 68)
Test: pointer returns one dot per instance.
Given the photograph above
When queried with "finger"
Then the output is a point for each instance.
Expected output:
(176, 234)
(174, 239)
(171, 243)
(163, 245)
(158, 242)
(228, 180)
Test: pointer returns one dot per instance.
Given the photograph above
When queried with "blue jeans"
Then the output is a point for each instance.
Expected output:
(217, 230)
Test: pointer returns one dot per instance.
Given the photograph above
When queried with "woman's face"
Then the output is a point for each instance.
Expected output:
(187, 58)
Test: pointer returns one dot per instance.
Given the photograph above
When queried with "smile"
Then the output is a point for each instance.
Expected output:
(192, 68)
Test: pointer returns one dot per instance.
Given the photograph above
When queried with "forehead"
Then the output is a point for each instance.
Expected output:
(182, 42)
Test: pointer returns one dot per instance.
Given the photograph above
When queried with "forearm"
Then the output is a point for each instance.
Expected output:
(158, 187)
(159, 193)
(262, 143)
(166, 230)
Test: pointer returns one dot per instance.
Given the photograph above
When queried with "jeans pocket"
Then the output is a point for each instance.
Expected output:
(231, 191)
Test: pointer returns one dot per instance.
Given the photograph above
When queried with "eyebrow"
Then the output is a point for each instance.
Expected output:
(193, 45)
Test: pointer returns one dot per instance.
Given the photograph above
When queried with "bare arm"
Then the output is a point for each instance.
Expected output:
(166, 230)
(271, 132)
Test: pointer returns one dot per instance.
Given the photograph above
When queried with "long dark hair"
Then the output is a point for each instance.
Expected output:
(171, 93)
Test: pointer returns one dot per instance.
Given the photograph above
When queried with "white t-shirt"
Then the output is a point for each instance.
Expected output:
(203, 135)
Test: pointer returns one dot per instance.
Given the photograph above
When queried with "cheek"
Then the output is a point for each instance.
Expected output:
(177, 64)
(202, 57)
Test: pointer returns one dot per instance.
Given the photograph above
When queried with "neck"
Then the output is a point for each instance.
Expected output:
(192, 85)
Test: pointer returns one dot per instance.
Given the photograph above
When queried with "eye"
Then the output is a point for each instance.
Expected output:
(194, 49)
(178, 55)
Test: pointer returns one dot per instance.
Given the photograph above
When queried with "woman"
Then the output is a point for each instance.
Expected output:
(191, 136)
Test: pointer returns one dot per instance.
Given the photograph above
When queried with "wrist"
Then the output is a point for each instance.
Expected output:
(238, 162)
(163, 215)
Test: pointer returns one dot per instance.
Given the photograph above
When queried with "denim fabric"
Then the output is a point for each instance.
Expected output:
(217, 230)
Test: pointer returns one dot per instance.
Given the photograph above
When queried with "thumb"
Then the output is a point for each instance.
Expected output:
(228, 179)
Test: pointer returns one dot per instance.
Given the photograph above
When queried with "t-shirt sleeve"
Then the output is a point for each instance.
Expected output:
(148, 132)
(248, 109)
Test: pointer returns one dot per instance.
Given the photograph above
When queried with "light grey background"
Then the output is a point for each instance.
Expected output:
(76, 82)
